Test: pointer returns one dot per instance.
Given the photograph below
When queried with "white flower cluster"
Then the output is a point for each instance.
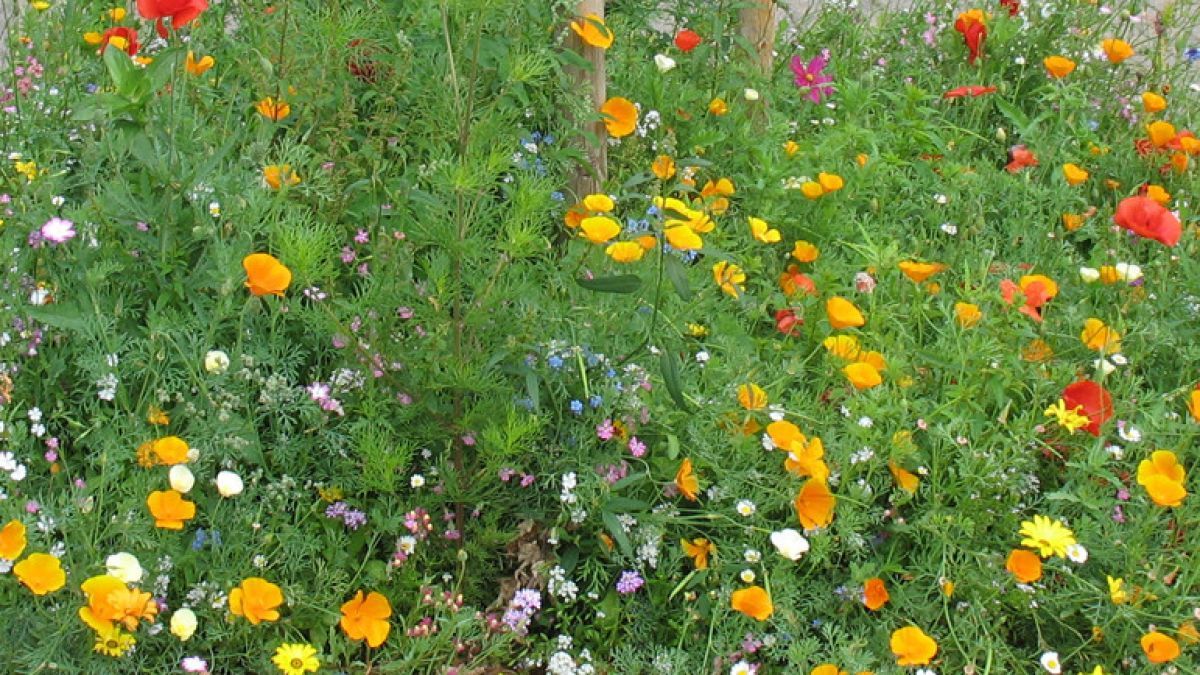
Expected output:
(561, 587)
(8, 464)
(562, 663)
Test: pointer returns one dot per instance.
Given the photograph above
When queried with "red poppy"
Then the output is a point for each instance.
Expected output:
(687, 40)
(969, 90)
(787, 322)
(122, 37)
(1092, 400)
(1013, 6)
(1020, 157)
(1147, 218)
(180, 12)
(973, 32)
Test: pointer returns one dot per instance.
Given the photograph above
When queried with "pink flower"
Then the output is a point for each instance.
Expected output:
(58, 230)
(636, 447)
(605, 430)
(810, 77)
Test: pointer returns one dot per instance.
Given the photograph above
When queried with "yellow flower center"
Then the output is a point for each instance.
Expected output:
(297, 663)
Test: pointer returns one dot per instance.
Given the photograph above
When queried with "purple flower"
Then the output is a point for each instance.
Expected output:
(58, 230)
(636, 447)
(629, 582)
(810, 78)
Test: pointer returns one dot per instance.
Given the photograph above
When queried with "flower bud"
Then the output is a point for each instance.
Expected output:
(181, 478)
(790, 543)
(125, 567)
(216, 362)
(750, 94)
(183, 624)
(1001, 134)
(663, 62)
(229, 484)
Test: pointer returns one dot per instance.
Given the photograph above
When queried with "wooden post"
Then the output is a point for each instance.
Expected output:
(589, 179)
(758, 27)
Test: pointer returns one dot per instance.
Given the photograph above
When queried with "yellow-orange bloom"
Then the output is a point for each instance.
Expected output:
(198, 68)
(273, 109)
(843, 314)
(1160, 133)
(686, 481)
(827, 669)
(875, 594)
(265, 275)
(100, 612)
(1026, 566)
(366, 618)
(41, 573)
(830, 182)
(718, 107)
(811, 189)
(761, 231)
(256, 599)
(907, 480)
(1193, 405)
(913, 647)
(1163, 477)
(863, 375)
(1058, 67)
(1074, 174)
(814, 504)
(805, 252)
(663, 167)
(599, 229)
(752, 397)
(1098, 336)
(1159, 648)
(753, 602)
(12, 540)
(1153, 103)
(729, 277)
(625, 251)
(170, 509)
(699, 550)
(170, 450)
(967, 314)
(918, 271)
(683, 238)
(593, 31)
(276, 176)
(620, 116)
(1116, 50)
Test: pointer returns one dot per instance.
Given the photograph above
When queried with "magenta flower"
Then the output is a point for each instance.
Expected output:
(810, 77)
(58, 230)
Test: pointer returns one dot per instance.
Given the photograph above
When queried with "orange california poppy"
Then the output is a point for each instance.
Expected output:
(918, 271)
(100, 612)
(875, 594)
(41, 573)
(814, 504)
(913, 647)
(12, 540)
(753, 602)
(593, 31)
(620, 116)
(663, 167)
(752, 397)
(862, 375)
(1026, 566)
(256, 599)
(1159, 648)
(907, 480)
(1163, 477)
(272, 109)
(1116, 50)
(1074, 174)
(1098, 336)
(265, 275)
(170, 509)
(827, 669)
(196, 67)
(686, 481)
(367, 618)
(967, 314)
(793, 281)
(170, 450)
(1058, 67)
(699, 550)
(843, 314)
(276, 176)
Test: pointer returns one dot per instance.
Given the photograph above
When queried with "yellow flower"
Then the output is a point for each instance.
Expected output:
(113, 642)
(967, 314)
(157, 417)
(1160, 133)
(599, 229)
(663, 167)
(812, 189)
(1074, 174)
(863, 375)
(1071, 420)
(842, 346)
(41, 573)
(1116, 591)
(907, 480)
(593, 31)
(12, 540)
(805, 252)
(1072, 221)
(1058, 67)
(830, 182)
(116, 13)
(1047, 537)
(861, 159)
(791, 148)
(729, 277)
(598, 203)
(699, 550)
(762, 232)
(93, 38)
(198, 68)
(625, 251)
(683, 238)
(843, 314)
(1098, 336)
(296, 659)
(718, 107)
(752, 397)
(1158, 194)
(1116, 50)
(28, 169)
(1153, 103)
(918, 272)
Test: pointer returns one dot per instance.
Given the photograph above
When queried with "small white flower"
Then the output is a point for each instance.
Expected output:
(702, 356)
(1118, 359)
(949, 228)
(216, 362)
(1129, 433)
(406, 545)
(663, 62)
(1089, 274)
(229, 484)
(417, 481)
(1103, 366)
(790, 543)
(746, 508)
(1128, 272)
(941, 198)
(741, 668)
(752, 555)
(1115, 451)
(865, 422)
(39, 297)
(181, 478)
(747, 576)
(214, 209)
(1077, 554)
(1051, 663)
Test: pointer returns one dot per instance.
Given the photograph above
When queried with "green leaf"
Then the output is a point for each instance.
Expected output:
(67, 317)
(531, 389)
(122, 70)
(618, 533)
(621, 283)
(670, 372)
(677, 273)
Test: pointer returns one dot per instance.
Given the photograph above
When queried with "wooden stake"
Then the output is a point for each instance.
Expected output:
(758, 27)
(589, 178)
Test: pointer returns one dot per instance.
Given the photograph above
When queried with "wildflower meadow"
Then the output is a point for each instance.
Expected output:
(576, 337)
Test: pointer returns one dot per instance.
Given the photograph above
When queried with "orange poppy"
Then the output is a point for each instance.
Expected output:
(1163, 477)
(1116, 50)
(907, 480)
(41, 573)
(272, 109)
(170, 509)
(12, 540)
(1026, 566)
(100, 612)
(794, 281)
(863, 375)
(918, 271)
(875, 594)
(699, 550)
(843, 314)
(827, 669)
(256, 599)
(198, 68)
(752, 397)
(913, 647)
(265, 275)
(593, 31)
(170, 450)
(967, 314)
(276, 176)
(367, 618)
(1058, 67)
(753, 602)
(620, 116)
(1159, 648)
(686, 480)
(814, 504)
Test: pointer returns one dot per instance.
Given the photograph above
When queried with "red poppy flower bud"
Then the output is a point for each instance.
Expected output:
(687, 40)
